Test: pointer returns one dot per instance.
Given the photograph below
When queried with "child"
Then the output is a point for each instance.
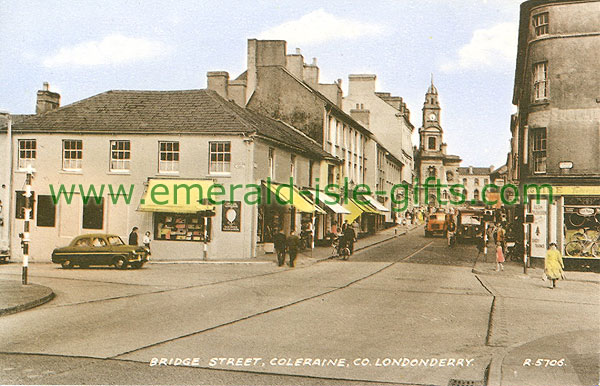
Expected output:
(499, 257)
(146, 240)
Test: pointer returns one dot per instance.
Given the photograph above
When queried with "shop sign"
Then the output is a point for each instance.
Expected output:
(539, 228)
(231, 216)
(567, 190)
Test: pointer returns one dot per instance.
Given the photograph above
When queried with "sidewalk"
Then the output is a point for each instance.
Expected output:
(16, 297)
(486, 265)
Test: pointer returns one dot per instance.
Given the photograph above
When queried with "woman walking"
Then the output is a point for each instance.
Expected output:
(499, 257)
(553, 264)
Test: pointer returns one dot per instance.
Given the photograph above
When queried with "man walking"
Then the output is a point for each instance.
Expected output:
(293, 244)
(133, 236)
(279, 244)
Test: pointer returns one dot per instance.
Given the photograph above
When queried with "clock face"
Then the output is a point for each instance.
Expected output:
(432, 117)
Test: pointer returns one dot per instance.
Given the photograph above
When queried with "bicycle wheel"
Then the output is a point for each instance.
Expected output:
(573, 249)
(576, 220)
(577, 236)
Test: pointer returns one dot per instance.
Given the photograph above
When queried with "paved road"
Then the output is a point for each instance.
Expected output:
(335, 322)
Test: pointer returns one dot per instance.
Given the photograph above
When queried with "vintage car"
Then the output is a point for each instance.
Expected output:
(436, 223)
(469, 224)
(100, 249)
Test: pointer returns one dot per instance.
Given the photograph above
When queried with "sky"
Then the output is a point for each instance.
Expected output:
(85, 47)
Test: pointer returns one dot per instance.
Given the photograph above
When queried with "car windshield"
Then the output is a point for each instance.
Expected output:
(469, 219)
(115, 240)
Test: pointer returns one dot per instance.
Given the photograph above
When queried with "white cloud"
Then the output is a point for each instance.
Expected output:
(320, 26)
(112, 49)
(495, 46)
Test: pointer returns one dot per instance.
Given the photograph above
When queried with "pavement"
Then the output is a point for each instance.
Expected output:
(486, 265)
(17, 297)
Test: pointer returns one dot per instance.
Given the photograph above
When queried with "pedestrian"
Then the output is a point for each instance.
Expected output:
(345, 225)
(133, 236)
(146, 241)
(293, 244)
(480, 244)
(451, 231)
(349, 238)
(553, 264)
(499, 257)
(501, 236)
(279, 244)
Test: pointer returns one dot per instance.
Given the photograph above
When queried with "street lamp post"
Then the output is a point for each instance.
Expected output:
(26, 237)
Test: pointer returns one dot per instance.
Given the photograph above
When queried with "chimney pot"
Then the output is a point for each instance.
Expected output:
(46, 86)
(314, 61)
(298, 51)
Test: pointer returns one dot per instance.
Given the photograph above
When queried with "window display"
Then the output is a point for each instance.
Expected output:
(180, 227)
(582, 227)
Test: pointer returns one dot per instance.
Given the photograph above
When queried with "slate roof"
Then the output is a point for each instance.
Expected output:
(179, 112)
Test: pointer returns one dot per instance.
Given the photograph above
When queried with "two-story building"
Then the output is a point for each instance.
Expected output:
(151, 159)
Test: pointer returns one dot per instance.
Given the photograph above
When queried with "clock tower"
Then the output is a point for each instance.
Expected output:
(430, 133)
(431, 160)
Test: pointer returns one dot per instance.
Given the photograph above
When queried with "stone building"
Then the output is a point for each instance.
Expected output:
(431, 159)
(129, 146)
(388, 118)
(474, 179)
(556, 131)
(284, 87)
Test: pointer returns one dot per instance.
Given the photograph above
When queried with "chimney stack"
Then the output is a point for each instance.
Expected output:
(218, 81)
(46, 100)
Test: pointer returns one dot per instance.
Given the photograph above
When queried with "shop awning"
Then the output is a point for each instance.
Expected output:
(376, 204)
(294, 199)
(356, 209)
(176, 196)
(330, 202)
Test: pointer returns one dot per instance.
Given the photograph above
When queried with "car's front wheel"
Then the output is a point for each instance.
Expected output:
(137, 264)
(67, 264)
(120, 262)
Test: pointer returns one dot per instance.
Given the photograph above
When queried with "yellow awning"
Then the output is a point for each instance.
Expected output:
(356, 209)
(296, 200)
(176, 196)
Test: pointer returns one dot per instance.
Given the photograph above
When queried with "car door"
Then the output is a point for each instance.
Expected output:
(78, 252)
(101, 252)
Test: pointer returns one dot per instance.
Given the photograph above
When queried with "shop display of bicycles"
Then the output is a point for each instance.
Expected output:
(585, 242)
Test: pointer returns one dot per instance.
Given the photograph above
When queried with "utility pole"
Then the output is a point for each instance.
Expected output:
(26, 239)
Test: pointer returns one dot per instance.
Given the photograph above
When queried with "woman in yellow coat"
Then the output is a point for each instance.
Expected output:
(553, 264)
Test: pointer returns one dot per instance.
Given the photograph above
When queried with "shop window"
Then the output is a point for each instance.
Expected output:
(541, 24)
(72, 154)
(93, 214)
(46, 211)
(20, 204)
(27, 153)
(168, 157)
(220, 157)
(180, 227)
(120, 155)
(540, 81)
(539, 150)
(581, 217)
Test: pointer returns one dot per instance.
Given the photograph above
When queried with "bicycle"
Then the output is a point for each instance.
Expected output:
(582, 244)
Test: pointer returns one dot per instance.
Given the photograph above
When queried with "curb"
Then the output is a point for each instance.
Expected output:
(29, 305)
(401, 233)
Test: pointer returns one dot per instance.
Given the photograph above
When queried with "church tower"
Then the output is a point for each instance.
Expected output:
(431, 159)
(430, 134)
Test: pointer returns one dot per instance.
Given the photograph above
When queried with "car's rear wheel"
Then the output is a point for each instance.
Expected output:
(120, 262)
(67, 264)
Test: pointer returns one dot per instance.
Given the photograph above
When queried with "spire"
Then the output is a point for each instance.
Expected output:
(432, 89)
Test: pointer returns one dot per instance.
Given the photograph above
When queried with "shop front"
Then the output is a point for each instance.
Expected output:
(331, 220)
(181, 219)
(284, 208)
(572, 220)
(362, 212)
